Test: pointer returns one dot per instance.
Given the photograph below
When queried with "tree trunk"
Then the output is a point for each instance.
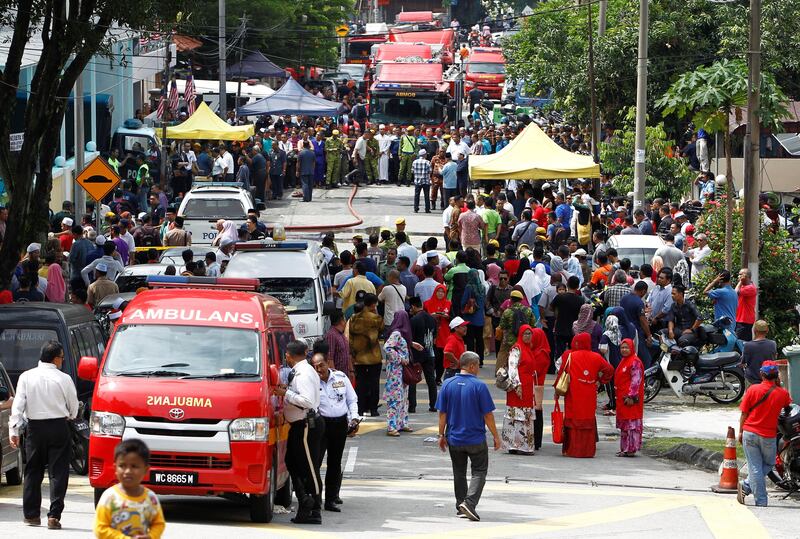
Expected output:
(730, 206)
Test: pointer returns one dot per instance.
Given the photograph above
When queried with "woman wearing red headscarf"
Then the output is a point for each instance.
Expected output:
(518, 421)
(438, 306)
(586, 369)
(629, 389)
(541, 357)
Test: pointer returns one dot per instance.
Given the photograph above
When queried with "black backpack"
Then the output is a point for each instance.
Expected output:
(519, 319)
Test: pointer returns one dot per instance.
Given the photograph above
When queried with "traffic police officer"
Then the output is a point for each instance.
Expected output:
(371, 162)
(338, 406)
(301, 400)
(333, 156)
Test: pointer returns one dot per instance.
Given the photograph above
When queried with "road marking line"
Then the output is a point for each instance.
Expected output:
(726, 518)
(351, 459)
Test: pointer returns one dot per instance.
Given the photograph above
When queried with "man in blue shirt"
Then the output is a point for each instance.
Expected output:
(724, 297)
(449, 177)
(465, 411)
(563, 211)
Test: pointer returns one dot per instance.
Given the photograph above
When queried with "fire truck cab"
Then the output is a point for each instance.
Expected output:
(189, 370)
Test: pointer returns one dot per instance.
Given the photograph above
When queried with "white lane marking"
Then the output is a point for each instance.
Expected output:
(351, 459)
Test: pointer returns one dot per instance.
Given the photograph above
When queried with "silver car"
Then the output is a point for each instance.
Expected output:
(11, 463)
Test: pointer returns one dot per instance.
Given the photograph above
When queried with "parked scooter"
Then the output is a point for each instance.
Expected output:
(787, 463)
(689, 373)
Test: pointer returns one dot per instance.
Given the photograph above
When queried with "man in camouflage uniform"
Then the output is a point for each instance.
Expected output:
(371, 162)
(333, 156)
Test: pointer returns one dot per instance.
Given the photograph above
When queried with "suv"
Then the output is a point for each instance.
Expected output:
(204, 205)
(295, 273)
(10, 458)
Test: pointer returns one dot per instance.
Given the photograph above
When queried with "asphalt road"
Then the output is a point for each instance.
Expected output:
(403, 486)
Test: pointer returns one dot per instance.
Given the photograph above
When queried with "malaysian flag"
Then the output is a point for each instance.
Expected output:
(173, 97)
(162, 105)
(189, 94)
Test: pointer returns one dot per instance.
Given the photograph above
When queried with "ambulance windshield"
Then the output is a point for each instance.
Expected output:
(164, 350)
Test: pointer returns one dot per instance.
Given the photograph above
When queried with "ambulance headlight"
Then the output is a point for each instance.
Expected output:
(106, 424)
(249, 429)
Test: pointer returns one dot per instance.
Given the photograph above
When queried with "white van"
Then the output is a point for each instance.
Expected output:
(295, 273)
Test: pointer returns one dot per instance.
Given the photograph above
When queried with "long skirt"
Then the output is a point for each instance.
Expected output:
(630, 435)
(517, 432)
(580, 441)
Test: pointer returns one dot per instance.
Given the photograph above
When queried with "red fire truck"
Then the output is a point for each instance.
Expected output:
(189, 370)
(486, 69)
(409, 94)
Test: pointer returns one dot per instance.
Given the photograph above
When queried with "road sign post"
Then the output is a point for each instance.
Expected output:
(98, 179)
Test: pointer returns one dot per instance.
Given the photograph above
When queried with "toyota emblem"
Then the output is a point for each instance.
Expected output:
(176, 414)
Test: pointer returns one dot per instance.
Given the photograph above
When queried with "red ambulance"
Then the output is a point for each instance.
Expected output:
(189, 370)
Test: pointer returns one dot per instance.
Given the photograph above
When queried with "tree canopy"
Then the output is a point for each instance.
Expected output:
(551, 50)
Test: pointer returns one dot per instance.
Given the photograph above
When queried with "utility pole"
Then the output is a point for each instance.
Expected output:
(223, 95)
(242, 32)
(165, 96)
(641, 108)
(601, 31)
(77, 109)
(592, 96)
(752, 226)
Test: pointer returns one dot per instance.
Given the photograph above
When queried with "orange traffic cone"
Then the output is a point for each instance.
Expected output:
(729, 479)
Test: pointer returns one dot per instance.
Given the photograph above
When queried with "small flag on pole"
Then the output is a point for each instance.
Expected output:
(189, 94)
(162, 105)
(173, 97)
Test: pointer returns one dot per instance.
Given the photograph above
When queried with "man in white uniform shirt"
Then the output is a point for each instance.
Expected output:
(47, 400)
(338, 406)
(301, 409)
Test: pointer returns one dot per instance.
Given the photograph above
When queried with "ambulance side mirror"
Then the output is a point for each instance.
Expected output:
(328, 308)
(87, 368)
(274, 375)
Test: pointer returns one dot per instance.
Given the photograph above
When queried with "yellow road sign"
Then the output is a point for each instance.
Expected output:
(98, 178)
(342, 30)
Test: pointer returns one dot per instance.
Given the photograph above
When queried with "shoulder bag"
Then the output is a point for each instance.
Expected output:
(412, 373)
(562, 382)
(501, 380)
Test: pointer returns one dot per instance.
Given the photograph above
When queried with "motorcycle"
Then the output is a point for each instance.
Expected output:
(719, 337)
(689, 373)
(786, 473)
(79, 434)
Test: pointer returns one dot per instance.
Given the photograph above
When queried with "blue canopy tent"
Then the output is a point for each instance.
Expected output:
(291, 98)
(255, 66)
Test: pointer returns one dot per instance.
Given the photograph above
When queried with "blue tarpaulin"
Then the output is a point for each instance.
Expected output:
(291, 98)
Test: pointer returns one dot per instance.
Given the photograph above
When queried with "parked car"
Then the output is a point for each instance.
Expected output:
(638, 248)
(10, 458)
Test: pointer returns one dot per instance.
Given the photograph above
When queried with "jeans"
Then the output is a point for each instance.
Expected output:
(428, 370)
(426, 191)
(368, 387)
(760, 453)
(478, 455)
(307, 180)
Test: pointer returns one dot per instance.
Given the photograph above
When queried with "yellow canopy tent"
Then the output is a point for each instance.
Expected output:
(532, 156)
(205, 125)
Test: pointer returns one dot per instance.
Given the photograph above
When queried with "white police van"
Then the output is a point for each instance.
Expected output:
(205, 204)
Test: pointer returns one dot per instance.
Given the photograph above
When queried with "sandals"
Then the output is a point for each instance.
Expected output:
(392, 433)
(625, 454)
(406, 429)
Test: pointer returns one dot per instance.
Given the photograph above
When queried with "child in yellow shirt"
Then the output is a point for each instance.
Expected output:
(129, 509)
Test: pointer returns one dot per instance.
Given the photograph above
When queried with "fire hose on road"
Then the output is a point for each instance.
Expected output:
(359, 220)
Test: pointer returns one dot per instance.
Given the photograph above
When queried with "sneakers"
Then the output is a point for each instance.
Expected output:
(740, 494)
(468, 512)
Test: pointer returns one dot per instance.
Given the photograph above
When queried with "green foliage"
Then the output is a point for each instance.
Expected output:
(709, 94)
(779, 281)
(552, 49)
(667, 177)
(289, 33)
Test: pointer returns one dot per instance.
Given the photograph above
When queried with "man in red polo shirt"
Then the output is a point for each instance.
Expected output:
(758, 426)
(454, 346)
(746, 308)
